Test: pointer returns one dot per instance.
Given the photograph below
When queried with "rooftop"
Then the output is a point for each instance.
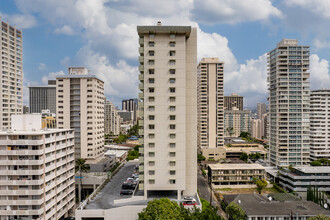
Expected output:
(313, 170)
(164, 29)
(231, 166)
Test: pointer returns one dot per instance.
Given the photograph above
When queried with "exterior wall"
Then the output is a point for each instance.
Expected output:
(264, 127)
(123, 213)
(233, 101)
(214, 153)
(288, 80)
(42, 98)
(81, 107)
(168, 108)
(131, 105)
(111, 119)
(261, 109)
(210, 103)
(11, 70)
(238, 120)
(319, 124)
(256, 128)
(36, 174)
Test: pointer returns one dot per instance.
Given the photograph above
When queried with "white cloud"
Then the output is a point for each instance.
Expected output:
(20, 20)
(318, 7)
(65, 29)
(319, 73)
(321, 44)
(233, 11)
(51, 76)
(42, 66)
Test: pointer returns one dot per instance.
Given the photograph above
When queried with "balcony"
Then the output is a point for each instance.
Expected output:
(141, 114)
(141, 140)
(141, 159)
(141, 59)
(141, 68)
(141, 41)
(141, 122)
(141, 86)
(141, 150)
(141, 95)
(141, 50)
(141, 131)
(141, 77)
(141, 168)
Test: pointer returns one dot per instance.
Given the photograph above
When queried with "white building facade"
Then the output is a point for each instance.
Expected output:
(111, 119)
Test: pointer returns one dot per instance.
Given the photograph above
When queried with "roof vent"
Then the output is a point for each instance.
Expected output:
(159, 23)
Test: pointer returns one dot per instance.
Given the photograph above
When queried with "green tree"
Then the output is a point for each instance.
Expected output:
(161, 209)
(81, 166)
(235, 211)
(200, 158)
(132, 154)
(319, 217)
(261, 184)
(245, 134)
(133, 131)
(230, 131)
(316, 163)
(121, 138)
(244, 157)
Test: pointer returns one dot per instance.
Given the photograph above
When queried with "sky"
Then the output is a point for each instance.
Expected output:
(101, 36)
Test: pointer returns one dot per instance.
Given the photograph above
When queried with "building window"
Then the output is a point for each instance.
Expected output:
(151, 53)
(151, 99)
(172, 172)
(172, 145)
(172, 36)
(172, 127)
(151, 71)
(151, 172)
(172, 154)
(172, 99)
(172, 163)
(172, 71)
(172, 181)
(172, 62)
(151, 108)
(151, 90)
(172, 117)
(151, 154)
(151, 181)
(172, 90)
(151, 117)
(151, 80)
(151, 36)
(151, 44)
(151, 62)
(151, 127)
(151, 145)
(172, 80)
(151, 136)
(172, 44)
(151, 163)
(172, 136)
(172, 108)
(172, 53)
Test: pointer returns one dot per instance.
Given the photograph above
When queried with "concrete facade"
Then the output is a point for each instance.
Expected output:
(80, 106)
(261, 109)
(210, 122)
(233, 101)
(42, 98)
(111, 119)
(320, 124)
(236, 121)
(36, 170)
(168, 109)
(11, 68)
(256, 128)
(288, 86)
(131, 105)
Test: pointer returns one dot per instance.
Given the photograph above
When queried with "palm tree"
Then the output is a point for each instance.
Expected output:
(81, 167)
(230, 130)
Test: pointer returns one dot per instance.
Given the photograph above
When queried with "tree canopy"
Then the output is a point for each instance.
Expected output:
(235, 211)
(261, 184)
(319, 217)
(244, 157)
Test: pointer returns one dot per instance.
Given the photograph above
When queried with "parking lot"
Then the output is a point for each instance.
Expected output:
(104, 199)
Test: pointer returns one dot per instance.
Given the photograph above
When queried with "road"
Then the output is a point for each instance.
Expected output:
(104, 199)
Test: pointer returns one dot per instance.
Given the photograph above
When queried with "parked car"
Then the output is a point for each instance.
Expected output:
(126, 192)
(128, 185)
(188, 200)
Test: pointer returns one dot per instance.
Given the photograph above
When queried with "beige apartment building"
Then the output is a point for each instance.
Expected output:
(111, 119)
(261, 109)
(236, 121)
(256, 128)
(11, 67)
(210, 122)
(289, 107)
(36, 170)
(80, 106)
(168, 109)
(264, 127)
(233, 101)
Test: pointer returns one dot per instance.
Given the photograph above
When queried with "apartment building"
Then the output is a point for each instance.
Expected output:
(168, 109)
(261, 109)
(131, 105)
(36, 170)
(111, 119)
(240, 175)
(210, 126)
(42, 98)
(256, 128)
(236, 121)
(288, 85)
(11, 68)
(264, 127)
(80, 106)
(319, 124)
(233, 101)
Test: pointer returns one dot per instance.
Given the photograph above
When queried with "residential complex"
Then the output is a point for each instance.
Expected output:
(264, 126)
(233, 101)
(261, 109)
(299, 178)
(111, 119)
(42, 98)
(236, 121)
(288, 85)
(210, 122)
(11, 67)
(256, 128)
(168, 109)
(320, 124)
(241, 175)
(37, 170)
(131, 105)
(80, 106)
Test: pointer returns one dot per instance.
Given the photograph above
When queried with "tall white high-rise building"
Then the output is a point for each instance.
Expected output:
(210, 102)
(168, 108)
(111, 119)
(36, 170)
(80, 106)
(11, 67)
(261, 109)
(236, 121)
(256, 128)
(320, 124)
(288, 85)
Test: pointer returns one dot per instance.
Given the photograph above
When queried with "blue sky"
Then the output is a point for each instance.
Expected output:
(101, 35)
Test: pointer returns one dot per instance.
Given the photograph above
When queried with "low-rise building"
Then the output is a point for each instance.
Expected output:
(298, 179)
(120, 155)
(37, 170)
(234, 175)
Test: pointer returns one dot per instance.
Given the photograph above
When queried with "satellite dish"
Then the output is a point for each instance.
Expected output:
(270, 198)
(325, 206)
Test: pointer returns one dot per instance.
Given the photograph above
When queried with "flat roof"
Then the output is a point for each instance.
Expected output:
(245, 166)
(164, 29)
(77, 76)
(49, 86)
(118, 153)
(319, 169)
(37, 132)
